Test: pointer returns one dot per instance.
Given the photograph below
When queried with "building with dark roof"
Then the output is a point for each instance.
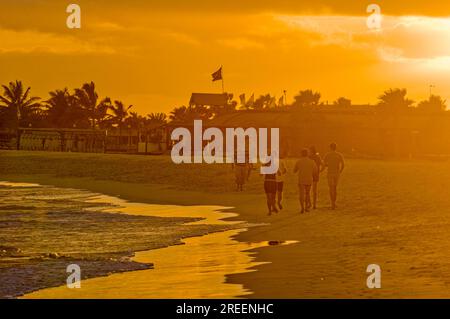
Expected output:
(209, 99)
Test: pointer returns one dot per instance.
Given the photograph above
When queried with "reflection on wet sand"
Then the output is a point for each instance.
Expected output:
(210, 215)
(196, 269)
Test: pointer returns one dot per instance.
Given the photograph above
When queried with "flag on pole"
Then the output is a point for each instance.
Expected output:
(242, 98)
(217, 76)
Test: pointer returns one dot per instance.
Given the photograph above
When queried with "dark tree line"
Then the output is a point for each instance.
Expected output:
(83, 108)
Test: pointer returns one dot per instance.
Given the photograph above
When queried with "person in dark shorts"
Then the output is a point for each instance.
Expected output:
(315, 156)
(270, 188)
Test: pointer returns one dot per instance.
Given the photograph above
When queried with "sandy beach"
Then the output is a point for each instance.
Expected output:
(387, 214)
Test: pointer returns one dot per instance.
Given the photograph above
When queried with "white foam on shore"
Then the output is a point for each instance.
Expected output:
(11, 184)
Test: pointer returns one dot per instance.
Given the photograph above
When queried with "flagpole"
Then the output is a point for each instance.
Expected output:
(223, 90)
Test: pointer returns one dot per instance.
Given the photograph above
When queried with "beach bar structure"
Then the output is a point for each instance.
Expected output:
(8, 140)
(137, 141)
(209, 99)
(61, 140)
(130, 141)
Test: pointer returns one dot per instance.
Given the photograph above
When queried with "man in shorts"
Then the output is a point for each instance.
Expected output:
(334, 162)
(306, 169)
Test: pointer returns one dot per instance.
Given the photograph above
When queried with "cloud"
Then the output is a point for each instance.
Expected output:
(25, 42)
(241, 43)
(108, 26)
(317, 7)
(397, 56)
(181, 37)
(414, 40)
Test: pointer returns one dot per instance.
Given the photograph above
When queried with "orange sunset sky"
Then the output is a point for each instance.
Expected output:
(154, 53)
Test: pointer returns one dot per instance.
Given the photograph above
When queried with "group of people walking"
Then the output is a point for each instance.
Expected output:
(308, 169)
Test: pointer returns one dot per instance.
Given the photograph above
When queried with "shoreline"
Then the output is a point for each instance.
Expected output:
(16, 284)
(200, 276)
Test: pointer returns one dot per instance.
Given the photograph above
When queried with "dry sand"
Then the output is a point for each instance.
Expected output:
(395, 214)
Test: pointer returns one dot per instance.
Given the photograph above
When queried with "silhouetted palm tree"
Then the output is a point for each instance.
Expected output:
(342, 102)
(262, 102)
(17, 102)
(156, 120)
(393, 105)
(306, 98)
(395, 101)
(188, 114)
(434, 104)
(63, 109)
(178, 114)
(120, 113)
(97, 111)
(134, 120)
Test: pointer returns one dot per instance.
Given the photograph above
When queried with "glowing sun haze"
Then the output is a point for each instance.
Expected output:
(153, 54)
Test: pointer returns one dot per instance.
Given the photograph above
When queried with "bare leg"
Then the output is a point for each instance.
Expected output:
(269, 203)
(314, 190)
(302, 198)
(273, 201)
(331, 190)
(280, 199)
(308, 196)
(333, 196)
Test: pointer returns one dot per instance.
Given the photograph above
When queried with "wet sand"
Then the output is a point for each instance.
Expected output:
(395, 214)
(196, 269)
(44, 229)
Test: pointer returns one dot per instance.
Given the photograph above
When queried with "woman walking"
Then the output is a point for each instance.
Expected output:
(318, 160)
